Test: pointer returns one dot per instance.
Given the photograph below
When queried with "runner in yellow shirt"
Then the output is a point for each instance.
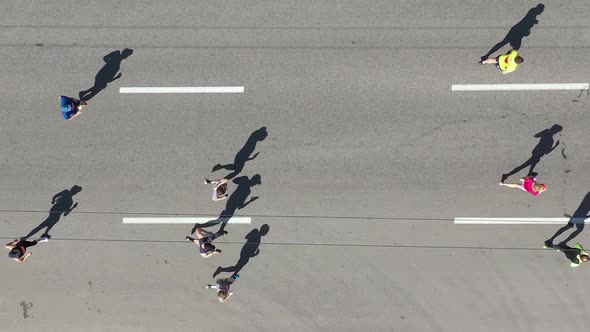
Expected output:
(506, 62)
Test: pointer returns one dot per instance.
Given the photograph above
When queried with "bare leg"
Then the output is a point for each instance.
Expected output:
(192, 239)
(512, 185)
(212, 182)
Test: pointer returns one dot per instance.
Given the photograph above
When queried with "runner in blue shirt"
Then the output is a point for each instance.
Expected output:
(71, 107)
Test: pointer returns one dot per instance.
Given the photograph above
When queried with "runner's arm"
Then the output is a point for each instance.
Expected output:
(227, 297)
(221, 198)
(201, 233)
(11, 245)
(75, 115)
(22, 259)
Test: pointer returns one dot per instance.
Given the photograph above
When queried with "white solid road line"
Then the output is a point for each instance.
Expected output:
(520, 87)
(520, 221)
(185, 220)
(183, 89)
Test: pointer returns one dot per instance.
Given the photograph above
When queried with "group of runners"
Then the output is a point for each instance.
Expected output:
(204, 239)
(508, 63)
(17, 249)
(576, 255)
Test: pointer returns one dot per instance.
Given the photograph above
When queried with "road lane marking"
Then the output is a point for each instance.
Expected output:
(183, 89)
(520, 87)
(520, 221)
(186, 220)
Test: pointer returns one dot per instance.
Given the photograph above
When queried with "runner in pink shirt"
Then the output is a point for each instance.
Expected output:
(529, 184)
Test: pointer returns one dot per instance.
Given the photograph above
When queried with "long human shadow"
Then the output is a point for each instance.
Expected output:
(236, 201)
(63, 203)
(518, 31)
(576, 219)
(249, 250)
(544, 147)
(107, 74)
(244, 154)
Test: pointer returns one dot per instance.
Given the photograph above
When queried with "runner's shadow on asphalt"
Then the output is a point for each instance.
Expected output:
(544, 147)
(107, 74)
(249, 250)
(63, 204)
(518, 31)
(236, 201)
(576, 220)
(244, 154)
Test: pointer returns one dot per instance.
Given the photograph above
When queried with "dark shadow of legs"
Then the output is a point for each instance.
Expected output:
(579, 229)
(249, 250)
(63, 203)
(532, 162)
(577, 220)
(107, 74)
(518, 31)
(236, 201)
(244, 154)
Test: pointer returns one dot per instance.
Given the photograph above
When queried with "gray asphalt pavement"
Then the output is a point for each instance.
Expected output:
(369, 157)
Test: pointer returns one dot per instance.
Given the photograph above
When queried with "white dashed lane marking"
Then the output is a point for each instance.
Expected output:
(183, 89)
(186, 220)
(519, 221)
(520, 87)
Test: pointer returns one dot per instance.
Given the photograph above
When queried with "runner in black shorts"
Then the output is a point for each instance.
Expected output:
(223, 287)
(18, 248)
(204, 240)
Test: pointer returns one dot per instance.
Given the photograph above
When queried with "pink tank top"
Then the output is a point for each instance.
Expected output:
(528, 185)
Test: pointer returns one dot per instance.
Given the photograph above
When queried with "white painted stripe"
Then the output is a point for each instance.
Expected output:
(520, 221)
(186, 220)
(183, 89)
(520, 87)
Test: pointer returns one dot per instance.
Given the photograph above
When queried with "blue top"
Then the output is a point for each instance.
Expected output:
(67, 107)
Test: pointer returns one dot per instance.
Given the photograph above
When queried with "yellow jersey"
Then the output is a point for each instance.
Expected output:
(506, 61)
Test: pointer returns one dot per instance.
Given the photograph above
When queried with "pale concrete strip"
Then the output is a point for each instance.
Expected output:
(183, 89)
(519, 221)
(520, 87)
(185, 220)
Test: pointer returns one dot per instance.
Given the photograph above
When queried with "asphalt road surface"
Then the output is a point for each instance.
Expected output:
(369, 157)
